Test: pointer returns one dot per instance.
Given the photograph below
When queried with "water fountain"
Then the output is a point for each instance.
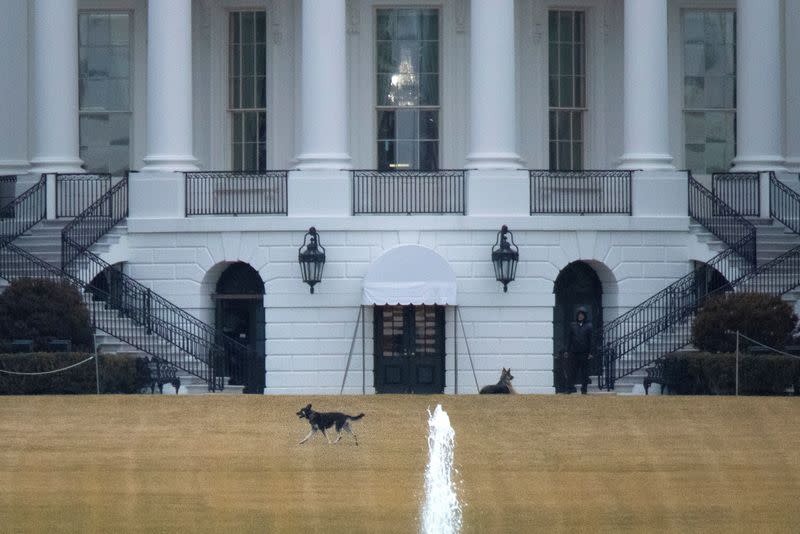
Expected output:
(441, 511)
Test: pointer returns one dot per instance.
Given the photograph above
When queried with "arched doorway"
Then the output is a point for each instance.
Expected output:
(576, 286)
(239, 307)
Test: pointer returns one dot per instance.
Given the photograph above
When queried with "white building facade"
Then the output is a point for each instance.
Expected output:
(408, 132)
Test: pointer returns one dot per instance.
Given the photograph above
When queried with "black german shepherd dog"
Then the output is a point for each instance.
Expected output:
(324, 420)
(503, 386)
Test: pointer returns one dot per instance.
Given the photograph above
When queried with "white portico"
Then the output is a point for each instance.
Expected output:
(386, 125)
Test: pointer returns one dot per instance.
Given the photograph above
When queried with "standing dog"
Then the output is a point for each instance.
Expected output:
(503, 386)
(324, 420)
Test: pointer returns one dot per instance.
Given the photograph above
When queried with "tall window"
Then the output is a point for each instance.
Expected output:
(709, 89)
(567, 90)
(247, 98)
(104, 78)
(408, 88)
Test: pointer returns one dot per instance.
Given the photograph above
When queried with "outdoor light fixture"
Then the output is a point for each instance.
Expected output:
(311, 256)
(505, 256)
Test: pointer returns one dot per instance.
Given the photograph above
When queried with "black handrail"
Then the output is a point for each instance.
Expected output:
(740, 190)
(784, 203)
(112, 311)
(22, 213)
(581, 192)
(137, 302)
(662, 323)
(237, 193)
(409, 192)
(75, 192)
(95, 221)
(721, 219)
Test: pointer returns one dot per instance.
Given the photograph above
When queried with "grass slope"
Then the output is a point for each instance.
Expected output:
(526, 463)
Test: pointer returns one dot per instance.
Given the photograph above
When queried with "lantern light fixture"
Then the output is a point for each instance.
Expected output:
(505, 255)
(311, 256)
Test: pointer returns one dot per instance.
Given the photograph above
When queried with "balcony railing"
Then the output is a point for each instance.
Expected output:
(76, 192)
(739, 190)
(236, 193)
(580, 192)
(409, 192)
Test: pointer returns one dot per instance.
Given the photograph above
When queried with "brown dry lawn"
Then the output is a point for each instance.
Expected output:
(525, 464)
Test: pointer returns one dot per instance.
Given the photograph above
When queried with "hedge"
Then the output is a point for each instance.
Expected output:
(42, 310)
(118, 374)
(760, 316)
(704, 373)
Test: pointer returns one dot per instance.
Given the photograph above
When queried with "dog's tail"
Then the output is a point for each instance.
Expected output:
(356, 417)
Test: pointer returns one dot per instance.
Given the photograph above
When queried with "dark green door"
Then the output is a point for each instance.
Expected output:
(409, 349)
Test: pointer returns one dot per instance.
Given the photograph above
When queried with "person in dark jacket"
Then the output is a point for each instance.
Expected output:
(580, 350)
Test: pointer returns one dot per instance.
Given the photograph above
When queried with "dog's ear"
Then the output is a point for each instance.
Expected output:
(308, 407)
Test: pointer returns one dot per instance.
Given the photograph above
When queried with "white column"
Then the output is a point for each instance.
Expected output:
(759, 112)
(169, 86)
(323, 95)
(54, 80)
(14, 88)
(646, 121)
(792, 62)
(493, 100)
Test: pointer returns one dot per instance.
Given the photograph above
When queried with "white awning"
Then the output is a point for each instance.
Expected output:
(410, 274)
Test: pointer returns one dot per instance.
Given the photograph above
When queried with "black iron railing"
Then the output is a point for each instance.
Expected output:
(721, 220)
(739, 190)
(22, 213)
(8, 185)
(237, 193)
(784, 203)
(580, 192)
(409, 192)
(116, 311)
(189, 341)
(94, 222)
(662, 323)
(76, 192)
(775, 277)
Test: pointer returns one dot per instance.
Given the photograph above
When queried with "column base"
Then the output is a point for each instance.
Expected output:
(167, 163)
(494, 161)
(323, 162)
(14, 166)
(64, 165)
(646, 162)
(758, 163)
(792, 164)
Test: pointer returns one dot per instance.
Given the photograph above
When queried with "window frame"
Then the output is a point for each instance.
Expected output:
(376, 108)
(705, 8)
(131, 78)
(229, 110)
(582, 111)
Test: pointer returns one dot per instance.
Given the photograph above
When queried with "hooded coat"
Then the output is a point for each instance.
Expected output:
(581, 334)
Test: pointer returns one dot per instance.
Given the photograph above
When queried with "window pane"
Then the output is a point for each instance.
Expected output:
(248, 28)
(120, 62)
(429, 125)
(429, 156)
(119, 26)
